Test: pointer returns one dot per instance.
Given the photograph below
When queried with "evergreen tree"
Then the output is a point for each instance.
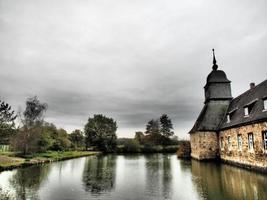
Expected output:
(6, 113)
(153, 131)
(7, 125)
(166, 126)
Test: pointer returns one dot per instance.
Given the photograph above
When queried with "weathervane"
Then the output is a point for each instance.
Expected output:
(215, 66)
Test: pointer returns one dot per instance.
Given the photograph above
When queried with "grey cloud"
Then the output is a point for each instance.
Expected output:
(130, 60)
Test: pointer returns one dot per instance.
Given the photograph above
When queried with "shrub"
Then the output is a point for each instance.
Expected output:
(131, 146)
(184, 149)
(149, 148)
(170, 149)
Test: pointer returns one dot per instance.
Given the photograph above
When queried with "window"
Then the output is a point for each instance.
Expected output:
(229, 142)
(228, 118)
(246, 111)
(221, 143)
(239, 142)
(264, 104)
(264, 137)
(250, 141)
(248, 107)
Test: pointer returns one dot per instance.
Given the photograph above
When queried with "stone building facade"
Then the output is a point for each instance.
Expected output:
(233, 130)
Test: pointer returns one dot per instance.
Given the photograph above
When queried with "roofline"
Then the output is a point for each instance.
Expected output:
(208, 83)
(250, 89)
(244, 124)
(203, 130)
(218, 99)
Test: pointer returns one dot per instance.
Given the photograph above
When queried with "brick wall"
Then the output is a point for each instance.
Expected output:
(242, 155)
(204, 145)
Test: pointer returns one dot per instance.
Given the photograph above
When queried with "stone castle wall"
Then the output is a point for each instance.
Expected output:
(204, 145)
(251, 158)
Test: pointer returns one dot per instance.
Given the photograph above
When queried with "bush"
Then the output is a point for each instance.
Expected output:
(132, 146)
(184, 149)
(170, 149)
(149, 148)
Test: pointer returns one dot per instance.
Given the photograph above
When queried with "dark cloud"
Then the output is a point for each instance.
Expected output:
(130, 60)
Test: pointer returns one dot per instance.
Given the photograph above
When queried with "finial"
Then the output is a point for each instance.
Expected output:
(215, 66)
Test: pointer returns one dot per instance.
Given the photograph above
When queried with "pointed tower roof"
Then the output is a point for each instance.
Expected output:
(216, 76)
(217, 99)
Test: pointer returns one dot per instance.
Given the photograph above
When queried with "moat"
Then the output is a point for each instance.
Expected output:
(133, 177)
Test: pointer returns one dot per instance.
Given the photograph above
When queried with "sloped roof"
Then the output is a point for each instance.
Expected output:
(217, 76)
(253, 97)
(210, 117)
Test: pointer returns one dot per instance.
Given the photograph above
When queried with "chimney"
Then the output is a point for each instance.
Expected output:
(252, 85)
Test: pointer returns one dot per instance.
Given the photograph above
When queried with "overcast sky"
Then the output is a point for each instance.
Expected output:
(131, 60)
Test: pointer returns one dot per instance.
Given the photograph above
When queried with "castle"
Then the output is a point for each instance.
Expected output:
(233, 130)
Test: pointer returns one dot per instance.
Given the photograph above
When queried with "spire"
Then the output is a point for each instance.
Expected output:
(215, 66)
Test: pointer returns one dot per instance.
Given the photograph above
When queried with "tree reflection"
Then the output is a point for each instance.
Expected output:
(218, 181)
(158, 174)
(167, 177)
(27, 181)
(99, 174)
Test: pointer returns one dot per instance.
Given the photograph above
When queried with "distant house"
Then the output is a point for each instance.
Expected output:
(233, 130)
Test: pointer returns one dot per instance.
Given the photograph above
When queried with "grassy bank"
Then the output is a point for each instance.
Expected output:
(10, 160)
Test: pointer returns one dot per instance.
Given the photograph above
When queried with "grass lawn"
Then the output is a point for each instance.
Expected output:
(10, 160)
(7, 161)
(59, 155)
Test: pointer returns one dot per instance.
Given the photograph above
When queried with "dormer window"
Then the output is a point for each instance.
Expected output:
(246, 111)
(228, 118)
(248, 107)
(265, 104)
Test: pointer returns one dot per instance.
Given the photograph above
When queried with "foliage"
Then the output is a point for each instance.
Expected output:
(139, 136)
(131, 146)
(77, 139)
(60, 140)
(122, 141)
(153, 131)
(166, 126)
(100, 131)
(158, 132)
(7, 126)
(6, 132)
(29, 138)
(36, 135)
(34, 111)
(6, 114)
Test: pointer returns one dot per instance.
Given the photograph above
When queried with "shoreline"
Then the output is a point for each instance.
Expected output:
(48, 157)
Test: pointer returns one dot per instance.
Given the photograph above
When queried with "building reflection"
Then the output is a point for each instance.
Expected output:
(27, 181)
(99, 174)
(219, 181)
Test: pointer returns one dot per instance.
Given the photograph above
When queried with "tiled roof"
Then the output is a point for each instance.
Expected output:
(210, 117)
(254, 98)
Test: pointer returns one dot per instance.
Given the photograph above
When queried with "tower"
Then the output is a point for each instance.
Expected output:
(203, 135)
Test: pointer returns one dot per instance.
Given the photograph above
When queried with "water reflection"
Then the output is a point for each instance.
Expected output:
(158, 175)
(134, 177)
(26, 182)
(216, 181)
(99, 174)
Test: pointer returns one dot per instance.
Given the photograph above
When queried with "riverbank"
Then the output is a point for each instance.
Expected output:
(9, 160)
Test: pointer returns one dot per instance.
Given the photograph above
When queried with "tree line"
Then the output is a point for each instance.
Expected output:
(36, 135)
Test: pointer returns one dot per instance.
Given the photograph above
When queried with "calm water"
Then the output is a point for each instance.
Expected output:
(132, 177)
